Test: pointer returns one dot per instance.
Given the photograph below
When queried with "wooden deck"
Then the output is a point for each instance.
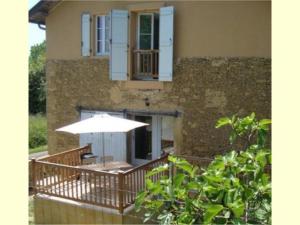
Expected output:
(60, 175)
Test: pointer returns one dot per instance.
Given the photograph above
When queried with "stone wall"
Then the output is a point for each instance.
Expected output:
(203, 89)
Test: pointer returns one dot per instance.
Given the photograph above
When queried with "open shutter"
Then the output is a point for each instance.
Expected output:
(119, 43)
(166, 43)
(85, 34)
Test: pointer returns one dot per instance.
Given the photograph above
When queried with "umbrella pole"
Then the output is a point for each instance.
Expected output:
(103, 149)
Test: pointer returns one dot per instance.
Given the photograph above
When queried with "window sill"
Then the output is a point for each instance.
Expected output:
(144, 85)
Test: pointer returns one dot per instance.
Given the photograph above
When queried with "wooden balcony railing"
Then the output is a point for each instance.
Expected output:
(134, 179)
(116, 190)
(70, 157)
(145, 64)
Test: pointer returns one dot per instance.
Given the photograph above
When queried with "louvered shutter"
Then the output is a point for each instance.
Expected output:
(166, 43)
(85, 34)
(119, 43)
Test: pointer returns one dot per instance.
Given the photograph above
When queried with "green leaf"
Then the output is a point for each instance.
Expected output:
(261, 139)
(228, 199)
(213, 179)
(252, 116)
(237, 221)
(178, 179)
(261, 157)
(148, 216)
(237, 207)
(232, 137)
(265, 122)
(193, 185)
(222, 122)
(260, 214)
(211, 211)
(149, 184)
(157, 170)
(217, 165)
(139, 200)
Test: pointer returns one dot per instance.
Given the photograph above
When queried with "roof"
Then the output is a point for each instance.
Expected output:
(39, 11)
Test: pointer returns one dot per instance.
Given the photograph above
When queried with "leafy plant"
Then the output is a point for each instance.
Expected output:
(233, 189)
(37, 79)
(37, 131)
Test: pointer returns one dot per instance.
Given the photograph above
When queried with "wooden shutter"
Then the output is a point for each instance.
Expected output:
(85, 34)
(119, 43)
(166, 43)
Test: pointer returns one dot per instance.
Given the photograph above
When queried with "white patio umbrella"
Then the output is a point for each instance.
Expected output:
(102, 123)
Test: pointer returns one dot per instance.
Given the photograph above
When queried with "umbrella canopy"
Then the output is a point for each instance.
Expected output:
(102, 123)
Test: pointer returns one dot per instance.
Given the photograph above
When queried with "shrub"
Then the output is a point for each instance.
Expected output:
(233, 189)
(37, 79)
(37, 131)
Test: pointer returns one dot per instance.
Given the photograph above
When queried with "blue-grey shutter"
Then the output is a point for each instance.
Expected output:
(119, 43)
(166, 43)
(156, 137)
(85, 34)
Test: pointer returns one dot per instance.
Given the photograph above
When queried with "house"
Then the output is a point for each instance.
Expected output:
(177, 65)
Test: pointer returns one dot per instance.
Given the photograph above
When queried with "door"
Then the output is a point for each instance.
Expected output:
(146, 141)
(114, 143)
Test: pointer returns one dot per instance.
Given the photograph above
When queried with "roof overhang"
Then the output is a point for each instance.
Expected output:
(38, 13)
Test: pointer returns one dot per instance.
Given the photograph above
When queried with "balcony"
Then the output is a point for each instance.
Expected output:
(145, 64)
(61, 175)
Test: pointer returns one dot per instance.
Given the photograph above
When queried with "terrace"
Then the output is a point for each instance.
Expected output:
(62, 175)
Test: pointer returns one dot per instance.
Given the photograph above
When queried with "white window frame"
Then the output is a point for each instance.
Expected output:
(152, 28)
(103, 35)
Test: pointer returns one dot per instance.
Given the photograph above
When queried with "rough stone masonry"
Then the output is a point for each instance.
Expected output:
(203, 90)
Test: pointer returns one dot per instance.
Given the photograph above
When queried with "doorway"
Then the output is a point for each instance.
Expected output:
(146, 144)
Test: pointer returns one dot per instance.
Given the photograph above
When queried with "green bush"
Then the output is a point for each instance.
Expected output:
(37, 79)
(233, 189)
(37, 131)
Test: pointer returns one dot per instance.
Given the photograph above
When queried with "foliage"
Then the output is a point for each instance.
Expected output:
(233, 189)
(41, 148)
(37, 131)
(37, 79)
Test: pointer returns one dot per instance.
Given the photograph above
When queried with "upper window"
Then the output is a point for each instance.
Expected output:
(102, 35)
(147, 33)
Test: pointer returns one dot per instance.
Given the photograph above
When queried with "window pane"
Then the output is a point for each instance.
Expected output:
(145, 41)
(145, 24)
(98, 34)
(156, 31)
(98, 21)
(106, 46)
(106, 34)
(101, 22)
(101, 35)
(98, 47)
(107, 21)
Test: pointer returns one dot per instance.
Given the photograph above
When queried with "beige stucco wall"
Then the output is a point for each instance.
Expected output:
(203, 89)
(55, 210)
(221, 66)
(237, 28)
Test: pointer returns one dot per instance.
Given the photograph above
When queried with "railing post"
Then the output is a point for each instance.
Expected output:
(90, 146)
(120, 191)
(33, 176)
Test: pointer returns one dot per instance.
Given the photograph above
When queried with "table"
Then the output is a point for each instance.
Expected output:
(113, 166)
